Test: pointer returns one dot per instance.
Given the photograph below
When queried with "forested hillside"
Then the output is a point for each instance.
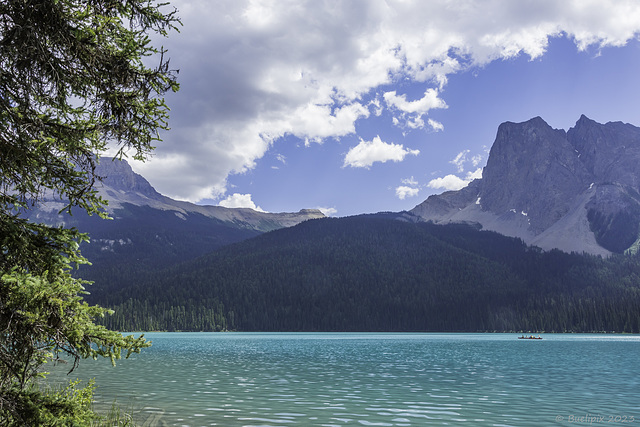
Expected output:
(373, 274)
(369, 273)
(143, 239)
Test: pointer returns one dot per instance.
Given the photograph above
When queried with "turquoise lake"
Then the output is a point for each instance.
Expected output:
(375, 379)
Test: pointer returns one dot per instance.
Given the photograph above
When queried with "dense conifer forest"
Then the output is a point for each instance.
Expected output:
(144, 239)
(372, 273)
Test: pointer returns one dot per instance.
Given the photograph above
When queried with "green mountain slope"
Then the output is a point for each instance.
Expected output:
(370, 273)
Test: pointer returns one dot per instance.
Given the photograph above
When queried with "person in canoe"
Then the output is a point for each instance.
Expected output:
(530, 337)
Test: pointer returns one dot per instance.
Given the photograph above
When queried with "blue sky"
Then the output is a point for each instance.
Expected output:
(367, 106)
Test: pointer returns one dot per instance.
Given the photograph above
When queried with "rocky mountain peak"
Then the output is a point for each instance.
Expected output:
(577, 190)
(585, 121)
(117, 176)
(610, 152)
(540, 168)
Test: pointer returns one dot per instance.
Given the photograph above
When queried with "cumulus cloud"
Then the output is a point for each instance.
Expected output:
(237, 200)
(429, 101)
(408, 189)
(314, 123)
(366, 153)
(453, 182)
(403, 192)
(253, 71)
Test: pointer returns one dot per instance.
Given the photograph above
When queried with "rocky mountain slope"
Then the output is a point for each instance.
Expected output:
(122, 187)
(576, 190)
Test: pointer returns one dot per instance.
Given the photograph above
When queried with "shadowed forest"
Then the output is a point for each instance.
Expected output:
(373, 273)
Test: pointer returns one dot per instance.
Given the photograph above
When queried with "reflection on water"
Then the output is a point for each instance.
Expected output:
(243, 379)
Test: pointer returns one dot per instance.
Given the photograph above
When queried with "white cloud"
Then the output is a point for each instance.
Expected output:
(410, 181)
(436, 126)
(237, 200)
(452, 182)
(366, 153)
(448, 182)
(328, 211)
(403, 192)
(377, 106)
(313, 122)
(415, 122)
(409, 189)
(460, 160)
(253, 71)
(429, 101)
(411, 112)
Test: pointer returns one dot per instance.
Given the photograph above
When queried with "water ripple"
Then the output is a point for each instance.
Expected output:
(371, 379)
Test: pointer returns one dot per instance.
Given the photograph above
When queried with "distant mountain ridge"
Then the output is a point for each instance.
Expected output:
(576, 191)
(121, 186)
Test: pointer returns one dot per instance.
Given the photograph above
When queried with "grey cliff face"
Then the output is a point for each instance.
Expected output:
(610, 152)
(119, 177)
(532, 168)
(440, 206)
(576, 190)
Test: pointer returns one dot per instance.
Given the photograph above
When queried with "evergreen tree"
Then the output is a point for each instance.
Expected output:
(72, 82)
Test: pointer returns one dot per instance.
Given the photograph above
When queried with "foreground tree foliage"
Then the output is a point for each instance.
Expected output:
(74, 81)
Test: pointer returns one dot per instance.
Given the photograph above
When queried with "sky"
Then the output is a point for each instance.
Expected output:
(361, 106)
